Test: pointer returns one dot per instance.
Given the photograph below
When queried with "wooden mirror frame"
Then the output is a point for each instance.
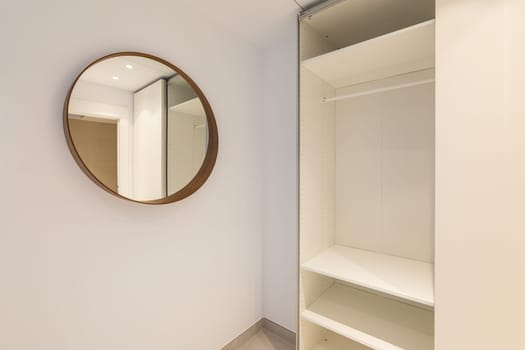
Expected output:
(213, 138)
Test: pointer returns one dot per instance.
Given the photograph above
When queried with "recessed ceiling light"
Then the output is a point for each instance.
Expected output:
(129, 66)
(114, 77)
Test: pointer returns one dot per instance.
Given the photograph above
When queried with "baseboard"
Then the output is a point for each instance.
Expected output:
(279, 330)
(266, 324)
(244, 336)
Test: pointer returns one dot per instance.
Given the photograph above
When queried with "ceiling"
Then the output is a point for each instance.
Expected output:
(133, 73)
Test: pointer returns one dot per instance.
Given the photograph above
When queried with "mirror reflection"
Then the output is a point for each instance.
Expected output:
(138, 126)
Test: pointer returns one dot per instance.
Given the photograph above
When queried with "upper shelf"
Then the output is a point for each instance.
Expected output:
(403, 278)
(407, 50)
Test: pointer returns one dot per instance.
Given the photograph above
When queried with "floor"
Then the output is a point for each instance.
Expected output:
(266, 340)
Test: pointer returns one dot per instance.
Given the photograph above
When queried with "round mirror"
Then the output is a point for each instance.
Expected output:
(140, 128)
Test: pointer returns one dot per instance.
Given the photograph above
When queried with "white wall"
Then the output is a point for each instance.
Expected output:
(81, 269)
(480, 175)
(280, 179)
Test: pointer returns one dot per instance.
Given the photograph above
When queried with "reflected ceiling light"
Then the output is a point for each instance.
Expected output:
(114, 77)
(129, 66)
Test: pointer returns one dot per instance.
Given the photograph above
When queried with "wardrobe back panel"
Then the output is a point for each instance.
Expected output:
(385, 172)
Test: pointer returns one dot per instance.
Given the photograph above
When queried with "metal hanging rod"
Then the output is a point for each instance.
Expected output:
(375, 91)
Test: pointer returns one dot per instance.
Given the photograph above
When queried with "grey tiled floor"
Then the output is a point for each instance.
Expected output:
(265, 340)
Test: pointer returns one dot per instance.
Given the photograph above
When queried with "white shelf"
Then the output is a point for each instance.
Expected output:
(402, 278)
(403, 51)
(332, 341)
(374, 321)
(191, 107)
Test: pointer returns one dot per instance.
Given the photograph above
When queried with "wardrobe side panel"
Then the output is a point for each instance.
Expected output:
(311, 335)
(317, 159)
(313, 43)
(317, 189)
(385, 172)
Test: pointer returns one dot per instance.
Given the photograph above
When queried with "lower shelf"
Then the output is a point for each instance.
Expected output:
(332, 341)
(372, 320)
(403, 278)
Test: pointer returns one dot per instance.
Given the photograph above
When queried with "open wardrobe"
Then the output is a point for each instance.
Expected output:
(367, 126)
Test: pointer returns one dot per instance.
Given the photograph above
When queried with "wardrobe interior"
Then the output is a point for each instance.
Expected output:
(367, 124)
